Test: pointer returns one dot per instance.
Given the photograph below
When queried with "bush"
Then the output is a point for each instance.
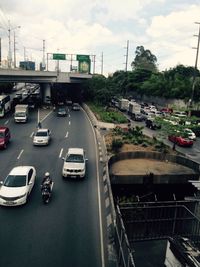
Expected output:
(161, 147)
(116, 145)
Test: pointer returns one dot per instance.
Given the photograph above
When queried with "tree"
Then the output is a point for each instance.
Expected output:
(144, 59)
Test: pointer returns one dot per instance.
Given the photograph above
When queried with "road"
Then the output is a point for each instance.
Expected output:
(67, 232)
(192, 153)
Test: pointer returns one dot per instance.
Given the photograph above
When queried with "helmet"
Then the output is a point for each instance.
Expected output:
(47, 174)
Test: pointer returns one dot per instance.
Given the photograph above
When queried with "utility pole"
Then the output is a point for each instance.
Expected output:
(47, 61)
(195, 67)
(126, 63)
(9, 44)
(43, 57)
(14, 43)
(71, 63)
(24, 53)
(102, 63)
(9, 47)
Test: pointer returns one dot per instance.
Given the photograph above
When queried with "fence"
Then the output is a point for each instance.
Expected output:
(124, 252)
(159, 220)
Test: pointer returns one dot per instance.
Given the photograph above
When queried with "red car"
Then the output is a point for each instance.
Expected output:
(4, 136)
(167, 110)
(181, 141)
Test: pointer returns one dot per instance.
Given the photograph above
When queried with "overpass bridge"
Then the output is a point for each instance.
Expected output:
(16, 75)
(45, 78)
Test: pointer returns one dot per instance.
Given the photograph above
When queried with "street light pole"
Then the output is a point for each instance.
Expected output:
(9, 44)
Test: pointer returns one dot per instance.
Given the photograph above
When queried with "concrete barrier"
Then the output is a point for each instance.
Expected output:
(155, 178)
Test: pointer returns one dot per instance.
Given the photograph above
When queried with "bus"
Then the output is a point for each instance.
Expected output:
(5, 104)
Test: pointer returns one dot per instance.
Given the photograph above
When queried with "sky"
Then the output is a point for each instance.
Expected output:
(107, 30)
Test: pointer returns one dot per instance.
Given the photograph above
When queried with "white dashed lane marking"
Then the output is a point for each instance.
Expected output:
(20, 154)
(61, 151)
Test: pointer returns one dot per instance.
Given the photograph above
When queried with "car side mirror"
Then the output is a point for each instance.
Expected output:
(63, 158)
(86, 159)
(1, 183)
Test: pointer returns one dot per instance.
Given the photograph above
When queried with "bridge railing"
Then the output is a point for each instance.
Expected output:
(159, 220)
(123, 249)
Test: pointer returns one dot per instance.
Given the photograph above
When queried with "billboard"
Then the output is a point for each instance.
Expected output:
(84, 63)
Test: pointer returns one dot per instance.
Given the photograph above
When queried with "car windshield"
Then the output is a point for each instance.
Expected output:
(20, 114)
(15, 181)
(61, 109)
(75, 158)
(2, 135)
(41, 134)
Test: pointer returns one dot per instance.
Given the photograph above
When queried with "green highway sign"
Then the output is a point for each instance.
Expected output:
(83, 58)
(59, 56)
(83, 63)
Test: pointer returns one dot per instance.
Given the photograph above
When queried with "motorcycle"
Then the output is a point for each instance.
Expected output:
(46, 190)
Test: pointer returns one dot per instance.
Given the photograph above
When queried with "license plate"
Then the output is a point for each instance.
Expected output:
(9, 202)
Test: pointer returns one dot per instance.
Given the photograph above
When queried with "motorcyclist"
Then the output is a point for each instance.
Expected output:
(47, 182)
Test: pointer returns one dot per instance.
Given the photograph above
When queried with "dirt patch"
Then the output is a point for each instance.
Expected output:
(130, 147)
(146, 166)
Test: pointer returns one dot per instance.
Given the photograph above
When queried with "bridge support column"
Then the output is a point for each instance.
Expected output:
(46, 93)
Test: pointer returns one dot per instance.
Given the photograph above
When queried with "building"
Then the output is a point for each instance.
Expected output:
(27, 65)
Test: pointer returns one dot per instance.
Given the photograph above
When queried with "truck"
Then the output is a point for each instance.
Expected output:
(21, 113)
(123, 104)
(134, 111)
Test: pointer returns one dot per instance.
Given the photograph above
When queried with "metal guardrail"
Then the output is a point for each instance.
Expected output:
(124, 251)
(159, 220)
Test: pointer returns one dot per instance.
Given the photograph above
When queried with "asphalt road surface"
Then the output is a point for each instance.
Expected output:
(66, 232)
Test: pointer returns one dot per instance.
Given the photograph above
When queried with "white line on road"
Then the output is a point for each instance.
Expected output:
(20, 154)
(41, 120)
(69, 122)
(61, 151)
(32, 134)
(66, 135)
(6, 122)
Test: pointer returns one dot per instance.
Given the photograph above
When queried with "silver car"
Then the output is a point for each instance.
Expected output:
(42, 137)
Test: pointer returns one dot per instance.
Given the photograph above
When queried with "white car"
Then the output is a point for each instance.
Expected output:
(42, 137)
(191, 134)
(17, 186)
(75, 106)
(74, 165)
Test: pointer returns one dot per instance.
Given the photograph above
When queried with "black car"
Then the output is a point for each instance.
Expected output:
(152, 124)
(62, 112)
(137, 117)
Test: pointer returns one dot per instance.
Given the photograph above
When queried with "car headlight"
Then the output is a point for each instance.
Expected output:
(2, 142)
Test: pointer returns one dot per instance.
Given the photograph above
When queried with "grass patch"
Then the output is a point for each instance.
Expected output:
(106, 114)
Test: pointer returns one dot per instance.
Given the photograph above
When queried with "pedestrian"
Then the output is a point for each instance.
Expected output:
(174, 146)
(39, 125)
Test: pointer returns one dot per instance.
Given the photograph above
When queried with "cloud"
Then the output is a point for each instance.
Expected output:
(172, 38)
(93, 27)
